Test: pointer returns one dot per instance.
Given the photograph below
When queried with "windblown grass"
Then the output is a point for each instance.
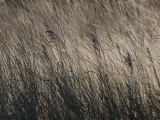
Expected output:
(79, 59)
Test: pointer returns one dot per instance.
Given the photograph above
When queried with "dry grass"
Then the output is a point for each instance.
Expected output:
(79, 59)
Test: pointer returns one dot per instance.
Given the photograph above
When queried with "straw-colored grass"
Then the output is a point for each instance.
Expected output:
(79, 59)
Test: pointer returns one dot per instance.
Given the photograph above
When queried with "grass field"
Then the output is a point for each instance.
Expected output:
(79, 60)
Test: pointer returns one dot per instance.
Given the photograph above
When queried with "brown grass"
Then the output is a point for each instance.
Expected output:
(79, 59)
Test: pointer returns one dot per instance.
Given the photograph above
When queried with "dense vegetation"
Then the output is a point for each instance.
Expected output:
(79, 60)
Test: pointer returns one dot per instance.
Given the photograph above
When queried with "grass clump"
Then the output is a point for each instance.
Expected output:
(79, 60)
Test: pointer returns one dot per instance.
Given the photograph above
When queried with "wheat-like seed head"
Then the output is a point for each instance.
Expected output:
(2, 3)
